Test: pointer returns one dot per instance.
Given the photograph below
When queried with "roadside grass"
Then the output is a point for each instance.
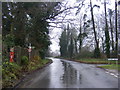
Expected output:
(45, 61)
(10, 73)
(13, 72)
(34, 66)
(96, 61)
(111, 66)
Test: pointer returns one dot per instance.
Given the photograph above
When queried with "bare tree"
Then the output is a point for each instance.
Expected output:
(116, 35)
(97, 50)
(111, 28)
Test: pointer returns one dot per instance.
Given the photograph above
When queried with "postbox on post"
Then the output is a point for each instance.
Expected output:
(12, 55)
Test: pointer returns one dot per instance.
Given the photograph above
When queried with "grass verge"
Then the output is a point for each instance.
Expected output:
(111, 66)
(92, 61)
(34, 65)
(13, 73)
(96, 61)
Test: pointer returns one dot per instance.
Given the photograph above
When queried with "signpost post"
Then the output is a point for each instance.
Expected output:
(29, 50)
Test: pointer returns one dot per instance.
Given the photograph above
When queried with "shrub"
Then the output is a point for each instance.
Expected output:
(30, 65)
(10, 71)
(11, 67)
(14, 67)
(37, 58)
(24, 60)
(84, 54)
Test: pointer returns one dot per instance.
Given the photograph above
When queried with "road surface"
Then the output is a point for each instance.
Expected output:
(68, 74)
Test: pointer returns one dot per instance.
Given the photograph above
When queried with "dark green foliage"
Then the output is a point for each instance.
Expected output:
(9, 40)
(9, 66)
(42, 53)
(68, 43)
(107, 49)
(71, 47)
(107, 37)
(10, 72)
(63, 44)
(24, 60)
(28, 23)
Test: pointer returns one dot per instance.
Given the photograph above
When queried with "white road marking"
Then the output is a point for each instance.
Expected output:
(113, 74)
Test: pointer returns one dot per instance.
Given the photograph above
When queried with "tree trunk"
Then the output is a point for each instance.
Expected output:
(95, 35)
(111, 28)
(119, 30)
(71, 46)
(103, 45)
(80, 39)
(107, 37)
(75, 46)
(116, 36)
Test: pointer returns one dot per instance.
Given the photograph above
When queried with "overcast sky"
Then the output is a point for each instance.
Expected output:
(56, 32)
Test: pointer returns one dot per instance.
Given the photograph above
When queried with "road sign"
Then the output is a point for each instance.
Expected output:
(112, 59)
(29, 49)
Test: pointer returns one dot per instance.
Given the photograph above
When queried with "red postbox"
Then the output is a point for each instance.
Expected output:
(11, 54)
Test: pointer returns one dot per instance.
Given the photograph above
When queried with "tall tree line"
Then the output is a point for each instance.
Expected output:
(105, 34)
(68, 42)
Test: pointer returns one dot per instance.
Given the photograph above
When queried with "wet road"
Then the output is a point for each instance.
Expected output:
(69, 74)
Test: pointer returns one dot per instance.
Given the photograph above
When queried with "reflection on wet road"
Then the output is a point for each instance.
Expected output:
(69, 74)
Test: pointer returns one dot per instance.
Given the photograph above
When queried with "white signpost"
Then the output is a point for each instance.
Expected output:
(29, 50)
(113, 59)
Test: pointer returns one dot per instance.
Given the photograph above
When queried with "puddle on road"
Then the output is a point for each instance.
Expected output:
(71, 76)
